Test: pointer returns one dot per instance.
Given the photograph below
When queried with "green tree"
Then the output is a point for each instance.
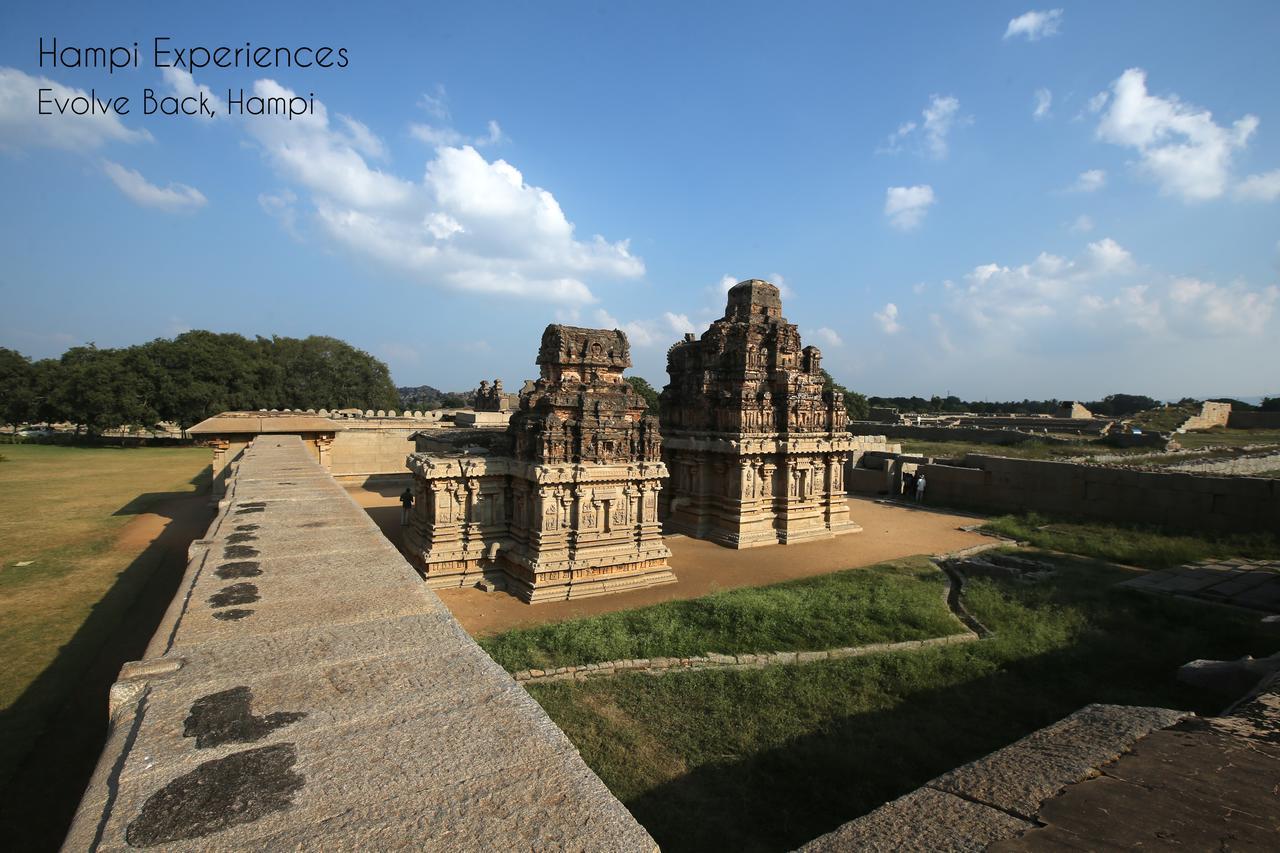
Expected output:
(17, 388)
(644, 389)
(855, 404)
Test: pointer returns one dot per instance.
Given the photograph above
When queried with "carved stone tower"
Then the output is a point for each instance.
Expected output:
(755, 447)
(566, 504)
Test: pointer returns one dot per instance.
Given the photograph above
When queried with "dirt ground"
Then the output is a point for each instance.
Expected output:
(888, 532)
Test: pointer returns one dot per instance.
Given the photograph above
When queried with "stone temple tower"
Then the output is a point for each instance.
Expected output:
(562, 504)
(755, 448)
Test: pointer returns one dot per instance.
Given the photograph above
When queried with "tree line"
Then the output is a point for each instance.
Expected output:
(188, 378)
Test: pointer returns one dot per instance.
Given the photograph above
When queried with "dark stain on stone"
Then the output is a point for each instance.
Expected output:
(239, 552)
(316, 524)
(218, 795)
(237, 593)
(246, 527)
(226, 717)
(286, 484)
(250, 509)
(254, 504)
(233, 615)
(236, 538)
(242, 569)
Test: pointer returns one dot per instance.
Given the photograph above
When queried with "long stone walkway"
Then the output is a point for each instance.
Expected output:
(307, 691)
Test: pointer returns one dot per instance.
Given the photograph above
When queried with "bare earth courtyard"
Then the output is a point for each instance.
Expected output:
(888, 532)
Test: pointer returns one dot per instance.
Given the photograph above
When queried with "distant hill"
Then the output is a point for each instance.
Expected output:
(420, 397)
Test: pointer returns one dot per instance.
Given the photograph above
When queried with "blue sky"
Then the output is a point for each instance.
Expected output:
(994, 200)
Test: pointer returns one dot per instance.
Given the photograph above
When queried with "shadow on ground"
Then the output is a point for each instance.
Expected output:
(778, 799)
(63, 714)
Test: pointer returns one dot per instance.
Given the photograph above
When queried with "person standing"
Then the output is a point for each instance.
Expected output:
(908, 484)
(920, 488)
(406, 505)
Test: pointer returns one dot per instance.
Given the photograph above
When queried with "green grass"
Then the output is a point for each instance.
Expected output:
(1222, 437)
(764, 760)
(1164, 419)
(1076, 450)
(889, 602)
(1132, 545)
(61, 509)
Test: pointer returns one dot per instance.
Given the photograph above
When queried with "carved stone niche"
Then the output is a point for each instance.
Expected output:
(748, 380)
(579, 447)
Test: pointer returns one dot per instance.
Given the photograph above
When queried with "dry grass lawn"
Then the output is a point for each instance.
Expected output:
(62, 511)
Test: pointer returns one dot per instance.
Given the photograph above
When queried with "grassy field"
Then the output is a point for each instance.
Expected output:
(890, 602)
(764, 760)
(1221, 437)
(1131, 544)
(61, 510)
(1077, 450)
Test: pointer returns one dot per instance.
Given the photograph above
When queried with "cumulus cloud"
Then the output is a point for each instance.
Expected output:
(1035, 25)
(905, 207)
(1089, 181)
(469, 223)
(888, 319)
(1263, 187)
(448, 136)
(661, 332)
(182, 85)
(1043, 101)
(174, 198)
(825, 336)
(1101, 291)
(22, 127)
(1180, 147)
(938, 118)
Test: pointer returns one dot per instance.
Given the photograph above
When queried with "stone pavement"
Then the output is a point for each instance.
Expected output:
(1254, 584)
(307, 691)
(1108, 777)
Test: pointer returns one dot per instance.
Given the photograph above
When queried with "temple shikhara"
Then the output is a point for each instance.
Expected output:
(564, 502)
(756, 448)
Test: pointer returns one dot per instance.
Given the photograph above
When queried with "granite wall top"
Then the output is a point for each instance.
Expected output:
(307, 691)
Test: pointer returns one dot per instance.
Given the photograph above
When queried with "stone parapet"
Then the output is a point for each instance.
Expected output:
(307, 692)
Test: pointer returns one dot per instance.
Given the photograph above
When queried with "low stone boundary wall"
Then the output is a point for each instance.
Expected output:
(1171, 499)
(974, 435)
(1254, 420)
(712, 660)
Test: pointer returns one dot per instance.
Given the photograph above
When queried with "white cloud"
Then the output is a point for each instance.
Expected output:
(906, 206)
(1102, 292)
(22, 126)
(1263, 187)
(888, 319)
(175, 198)
(1035, 25)
(183, 85)
(1044, 100)
(468, 224)
(826, 336)
(436, 103)
(282, 206)
(448, 137)
(1083, 224)
(939, 117)
(1089, 181)
(679, 323)
(1180, 146)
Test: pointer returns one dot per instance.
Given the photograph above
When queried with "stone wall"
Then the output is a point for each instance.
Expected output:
(1179, 501)
(306, 691)
(1211, 415)
(372, 449)
(975, 435)
(1254, 420)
